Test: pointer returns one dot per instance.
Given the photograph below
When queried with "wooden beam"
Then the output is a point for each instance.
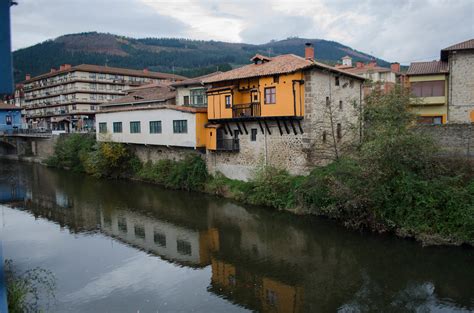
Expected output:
(225, 130)
(266, 126)
(240, 129)
(293, 126)
(261, 127)
(286, 127)
(230, 129)
(245, 128)
(279, 127)
(301, 128)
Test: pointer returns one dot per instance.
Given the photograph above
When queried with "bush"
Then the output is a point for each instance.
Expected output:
(188, 174)
(69, 150)
(111, 159)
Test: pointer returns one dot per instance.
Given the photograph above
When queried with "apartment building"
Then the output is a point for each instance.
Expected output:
(284, 111)
(443, 89)
(376, 76)
(67, 99)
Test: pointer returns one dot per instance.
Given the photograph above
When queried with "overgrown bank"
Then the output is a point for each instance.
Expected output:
(393, 182)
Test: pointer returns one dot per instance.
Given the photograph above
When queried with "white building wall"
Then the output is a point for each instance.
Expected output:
(166, 138)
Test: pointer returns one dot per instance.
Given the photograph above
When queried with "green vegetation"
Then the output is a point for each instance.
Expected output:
(29, 291)
(172, 55)
(393, 181)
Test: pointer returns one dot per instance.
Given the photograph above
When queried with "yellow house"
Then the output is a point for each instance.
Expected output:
(428, 82)
(269, 89)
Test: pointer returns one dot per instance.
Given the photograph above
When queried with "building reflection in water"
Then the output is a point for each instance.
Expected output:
(259, 260)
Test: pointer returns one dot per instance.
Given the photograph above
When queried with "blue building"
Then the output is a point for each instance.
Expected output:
(10, 118)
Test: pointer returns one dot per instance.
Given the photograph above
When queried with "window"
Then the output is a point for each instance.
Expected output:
(184, 247)
(270, 95)
(340, 104)
(186, 100)
(276, 79)
(92, 75)
(159, 238)
(180, 127)
(92, 107)
(74, 107)
(93, 97)
(351, 83)
(122, 224)
(339, 131)
(198, 96)
(428, 89)
(324, 136)
(102, 128)
(117, 127)
(135, 127)
(155, 127)
(227, 102)
(328, 102)
(253, 134)
(336, 80)
(430, 120)
(139, 231)
(8, 119)
(93, 86)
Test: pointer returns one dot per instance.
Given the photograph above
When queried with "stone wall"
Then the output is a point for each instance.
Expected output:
(29, 148)
(156, 153)
(455, 140)
(298, 153)
(461, 87)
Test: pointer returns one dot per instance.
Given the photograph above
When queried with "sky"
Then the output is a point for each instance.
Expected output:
(394, 30)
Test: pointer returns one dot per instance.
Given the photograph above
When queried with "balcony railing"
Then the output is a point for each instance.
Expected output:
(246, 110)
(228, 144)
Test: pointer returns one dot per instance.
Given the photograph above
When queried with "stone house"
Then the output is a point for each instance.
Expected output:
(286, 111)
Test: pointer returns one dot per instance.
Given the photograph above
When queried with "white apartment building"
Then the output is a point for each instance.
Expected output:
(67, 99)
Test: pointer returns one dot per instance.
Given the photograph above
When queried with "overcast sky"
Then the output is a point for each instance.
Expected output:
(395, 30)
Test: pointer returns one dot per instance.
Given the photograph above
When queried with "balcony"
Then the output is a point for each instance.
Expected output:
(246, 110)
(227, 144)
(437, 100)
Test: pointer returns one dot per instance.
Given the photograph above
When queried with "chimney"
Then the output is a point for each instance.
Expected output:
(347, 61)
(145, 70)
(359, 65)
(27, 76)
(67, 66)
(372, 63)
(309, 51)
(61, 67)
(395, 67)
(52, 70)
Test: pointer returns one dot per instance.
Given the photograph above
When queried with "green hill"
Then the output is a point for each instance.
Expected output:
(172, 55)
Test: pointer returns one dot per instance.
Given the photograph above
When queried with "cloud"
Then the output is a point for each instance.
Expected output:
(405, 30)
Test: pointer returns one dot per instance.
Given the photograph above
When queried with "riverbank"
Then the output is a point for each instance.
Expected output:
(436, 211)
(392, 181)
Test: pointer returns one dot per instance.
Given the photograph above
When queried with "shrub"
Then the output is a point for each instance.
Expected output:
(70, 149)
(111, 159)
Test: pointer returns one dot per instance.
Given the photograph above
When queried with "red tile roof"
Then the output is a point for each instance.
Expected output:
(367, 69)
(465, 45)
(155, 107)
(6, 106)
(282, 64)
(195, 80)
(151, 94)
(423, 68)
(109, 70)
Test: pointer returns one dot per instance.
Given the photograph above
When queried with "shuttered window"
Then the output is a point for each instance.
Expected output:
(428, 89)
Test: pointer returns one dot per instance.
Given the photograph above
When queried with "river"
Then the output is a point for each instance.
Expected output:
(121, 246)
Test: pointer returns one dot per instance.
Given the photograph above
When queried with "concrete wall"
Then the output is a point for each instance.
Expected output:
(455, 140)
(36, 149)
(461, 87)
(166, 116)
(298, 153)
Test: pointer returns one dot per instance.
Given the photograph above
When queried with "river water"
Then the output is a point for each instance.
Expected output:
(120, 246)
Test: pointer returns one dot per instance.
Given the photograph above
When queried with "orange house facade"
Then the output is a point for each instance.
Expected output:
(273, 110)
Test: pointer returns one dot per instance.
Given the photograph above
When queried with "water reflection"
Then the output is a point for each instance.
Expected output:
(259, 260)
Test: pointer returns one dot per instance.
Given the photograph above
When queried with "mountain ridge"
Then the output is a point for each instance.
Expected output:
(181, 56)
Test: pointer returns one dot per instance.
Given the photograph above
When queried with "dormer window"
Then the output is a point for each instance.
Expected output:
(260, 59)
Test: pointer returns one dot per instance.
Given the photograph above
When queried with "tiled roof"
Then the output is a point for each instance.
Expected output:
(465, 45)
(155, 107)
(367, 69)
(433, 67)
(6, 106)
(151, 94)
(195, 80)
(282, 64)
(109, 70)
